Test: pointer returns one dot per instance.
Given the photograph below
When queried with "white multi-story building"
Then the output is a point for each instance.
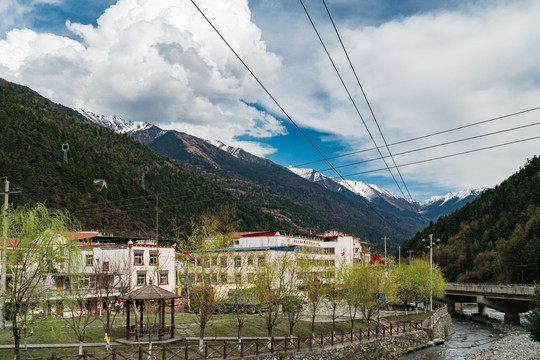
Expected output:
(226, 267)
(331, 245)
(111, 266)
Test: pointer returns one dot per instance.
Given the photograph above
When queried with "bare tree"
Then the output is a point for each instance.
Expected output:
(79, 300)
(111, 284)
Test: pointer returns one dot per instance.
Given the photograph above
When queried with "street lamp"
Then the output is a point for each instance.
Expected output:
(430, 246)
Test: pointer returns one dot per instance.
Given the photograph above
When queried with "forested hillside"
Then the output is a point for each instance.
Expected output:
(497, 237)
(32, 131)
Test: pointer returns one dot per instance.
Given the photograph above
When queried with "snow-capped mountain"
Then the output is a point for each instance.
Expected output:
(432, 208)
(419, 213)
(115, 123)
(241, 154)
(141, 131)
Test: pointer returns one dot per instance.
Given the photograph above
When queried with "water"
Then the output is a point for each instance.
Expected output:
(469, 337)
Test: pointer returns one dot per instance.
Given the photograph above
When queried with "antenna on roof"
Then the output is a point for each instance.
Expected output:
(65, 149)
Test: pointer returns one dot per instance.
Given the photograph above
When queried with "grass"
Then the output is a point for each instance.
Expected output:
(57, 331)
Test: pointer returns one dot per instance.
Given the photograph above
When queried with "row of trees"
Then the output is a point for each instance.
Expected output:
(281, 283)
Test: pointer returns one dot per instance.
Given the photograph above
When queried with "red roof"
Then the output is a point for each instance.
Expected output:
(257, 233)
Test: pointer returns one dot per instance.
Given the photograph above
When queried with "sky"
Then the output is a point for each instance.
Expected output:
(425, 67)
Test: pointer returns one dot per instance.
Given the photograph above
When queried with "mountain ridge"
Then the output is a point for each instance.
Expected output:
(253, 178)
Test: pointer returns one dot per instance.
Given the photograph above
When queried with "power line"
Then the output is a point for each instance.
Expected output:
(448, 156)
(349, 94)
(437, 145)
(274, 100)
(367, 102)
(428, 135)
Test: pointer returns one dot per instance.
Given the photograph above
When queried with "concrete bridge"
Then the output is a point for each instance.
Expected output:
(511, 299)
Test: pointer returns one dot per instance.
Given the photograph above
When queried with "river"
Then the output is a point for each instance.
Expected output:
(469, 337)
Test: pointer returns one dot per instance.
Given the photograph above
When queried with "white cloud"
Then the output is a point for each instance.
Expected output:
(159, 61)
(428, 73)
(155, 61)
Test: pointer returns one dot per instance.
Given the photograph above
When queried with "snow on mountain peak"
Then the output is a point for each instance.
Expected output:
(455, 196)
(115, 122)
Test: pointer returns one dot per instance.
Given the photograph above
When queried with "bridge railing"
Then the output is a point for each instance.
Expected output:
(509, 289)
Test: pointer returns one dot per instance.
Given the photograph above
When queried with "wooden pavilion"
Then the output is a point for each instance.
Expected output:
(150, 292)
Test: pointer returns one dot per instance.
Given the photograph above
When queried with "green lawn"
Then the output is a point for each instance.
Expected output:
(55, 331)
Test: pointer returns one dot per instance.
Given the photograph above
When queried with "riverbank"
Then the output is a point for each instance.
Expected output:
(514, 343)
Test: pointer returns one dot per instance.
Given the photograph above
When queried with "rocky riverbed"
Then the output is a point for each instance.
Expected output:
(513, 343)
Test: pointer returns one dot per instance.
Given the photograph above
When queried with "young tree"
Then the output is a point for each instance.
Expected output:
(534, 317)
(242, 297)
(412, 282)
(332, 298)
(402, 280)
(290, 299)
(311, 283)
(368, 282)
(38, 250)
(352, 291)
(271, 284)
(205, 269)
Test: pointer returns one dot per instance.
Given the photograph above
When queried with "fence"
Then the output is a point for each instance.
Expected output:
(230, 349)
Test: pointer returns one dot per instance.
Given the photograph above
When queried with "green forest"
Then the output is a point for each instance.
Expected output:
(32, 132)
(496, 237)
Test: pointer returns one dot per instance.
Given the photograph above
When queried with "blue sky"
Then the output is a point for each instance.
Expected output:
(425, 66)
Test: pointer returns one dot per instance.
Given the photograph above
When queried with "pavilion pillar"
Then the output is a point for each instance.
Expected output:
(141, 318)
(161, 310)
(128, 327)
(172, 318)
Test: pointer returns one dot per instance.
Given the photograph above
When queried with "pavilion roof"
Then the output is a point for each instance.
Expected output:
(150, 292)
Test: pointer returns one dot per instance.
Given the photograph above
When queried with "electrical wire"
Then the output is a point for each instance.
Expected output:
(277, 103)
(349, 94)
(450, 155)
(428, 135)
(368, 104)
(436, 145)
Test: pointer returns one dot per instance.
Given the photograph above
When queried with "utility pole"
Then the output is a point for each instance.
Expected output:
(399, 254)
(430, 246)
(410, 256)
(385, 248)
(3, 277)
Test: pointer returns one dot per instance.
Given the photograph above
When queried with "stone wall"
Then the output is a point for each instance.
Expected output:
(391, 344)
(439, 325)
(443, 327)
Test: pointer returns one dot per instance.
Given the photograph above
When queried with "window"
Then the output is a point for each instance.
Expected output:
(223, 261)
(238, 278)
(199, 262)
(238, 261)
(261, 260)
(138, 257)
(214, 278)
(83, 282)
(141, 278)
(250, 260)
(89, 260)
(206, 263)
(224, 278)
(164, 277)
(105, 266)
(153, 258)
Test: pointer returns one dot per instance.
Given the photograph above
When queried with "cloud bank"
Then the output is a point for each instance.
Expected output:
(159, 61)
